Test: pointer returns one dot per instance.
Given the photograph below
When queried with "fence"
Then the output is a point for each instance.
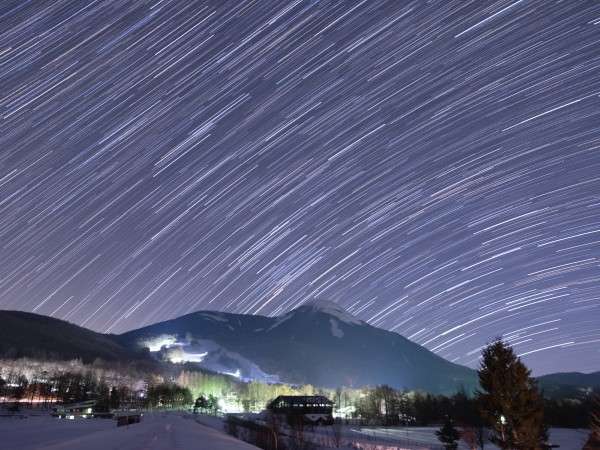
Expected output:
(275, 437)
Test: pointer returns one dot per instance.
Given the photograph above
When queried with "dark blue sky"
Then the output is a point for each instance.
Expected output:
(432, 166)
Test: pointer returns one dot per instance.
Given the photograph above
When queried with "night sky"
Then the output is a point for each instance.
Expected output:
(431, 166)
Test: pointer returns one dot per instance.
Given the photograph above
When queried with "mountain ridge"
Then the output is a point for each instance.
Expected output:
(318, 343)
(25, 334)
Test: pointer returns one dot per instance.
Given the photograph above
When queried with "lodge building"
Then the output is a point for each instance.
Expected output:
(315, 409)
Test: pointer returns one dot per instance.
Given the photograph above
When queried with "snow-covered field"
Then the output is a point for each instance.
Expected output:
(181, 431)
(567, 439)
(157, 431)
(402, 438)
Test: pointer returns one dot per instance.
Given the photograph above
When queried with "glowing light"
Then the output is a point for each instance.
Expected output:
(229, 406)
(182, 356)
(236, 374)
(157, 343)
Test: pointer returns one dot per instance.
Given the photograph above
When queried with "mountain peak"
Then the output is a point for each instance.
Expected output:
(329, 308)
(324, 305)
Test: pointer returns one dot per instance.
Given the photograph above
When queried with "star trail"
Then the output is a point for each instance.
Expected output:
(431, 166)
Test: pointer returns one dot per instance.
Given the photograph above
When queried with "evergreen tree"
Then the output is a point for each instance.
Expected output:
(201, 404)
(19, 391)
(593, 442)
(448, 435)
(509, 400)
(212, 404)
(115, 398)
(2, 387)
(103, 399)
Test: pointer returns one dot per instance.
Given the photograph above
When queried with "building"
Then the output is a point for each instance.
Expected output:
(83, 410)
(315, 409)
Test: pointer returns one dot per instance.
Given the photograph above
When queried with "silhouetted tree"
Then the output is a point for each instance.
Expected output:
(115, 398)
(593, 442)
(201, 404)
(2, 387)
(474, 429)
(103, 399)
(168, 395)
(509, 400)
(212, 404)
(448, 435)
(19, 391)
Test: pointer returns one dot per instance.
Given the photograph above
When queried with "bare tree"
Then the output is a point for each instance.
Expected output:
(336, 432)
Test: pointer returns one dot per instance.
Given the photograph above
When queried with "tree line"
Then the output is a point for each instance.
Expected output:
(45, 390)
(509, 406)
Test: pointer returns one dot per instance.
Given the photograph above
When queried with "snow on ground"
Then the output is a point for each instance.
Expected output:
(215, 422)
(280, 320)
(335, 329)
(394, 438)
(37, 432)
(335, 310)
(157, 431)
(566, 438)
(183, 431)
(215, 316)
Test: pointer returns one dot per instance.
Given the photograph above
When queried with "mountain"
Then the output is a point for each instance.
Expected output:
(318, 343)
(31, 335)
(569, 384)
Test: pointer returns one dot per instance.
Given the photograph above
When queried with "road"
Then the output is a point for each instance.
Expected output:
(157, 431)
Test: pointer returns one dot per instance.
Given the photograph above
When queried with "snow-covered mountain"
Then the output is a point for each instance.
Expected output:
(204, 353)
(317, 343)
